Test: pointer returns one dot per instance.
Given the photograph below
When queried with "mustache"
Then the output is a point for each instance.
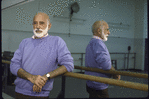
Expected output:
(38, 30)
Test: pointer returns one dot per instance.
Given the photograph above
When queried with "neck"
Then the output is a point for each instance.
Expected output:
(38, 37)
(98, 36)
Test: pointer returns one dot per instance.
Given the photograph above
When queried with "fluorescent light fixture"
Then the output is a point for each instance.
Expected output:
(14, 3)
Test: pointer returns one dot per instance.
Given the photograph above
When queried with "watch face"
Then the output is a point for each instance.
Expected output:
(48, 75)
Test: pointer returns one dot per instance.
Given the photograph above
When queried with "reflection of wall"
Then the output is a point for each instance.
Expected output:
(139, 49)
(139, 41)
(145, 20)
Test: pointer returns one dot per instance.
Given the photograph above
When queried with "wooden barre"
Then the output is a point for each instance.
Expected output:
(124, 73)
(132, 85)
(4, 61)
(121, 83)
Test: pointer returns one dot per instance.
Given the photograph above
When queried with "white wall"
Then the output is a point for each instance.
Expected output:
(139, 34)
(17, 24)
(145, 20)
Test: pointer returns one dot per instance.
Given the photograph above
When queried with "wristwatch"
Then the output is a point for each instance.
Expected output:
(48, 76)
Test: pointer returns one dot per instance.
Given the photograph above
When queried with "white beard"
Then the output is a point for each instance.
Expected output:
(105, 37)
(42, 33)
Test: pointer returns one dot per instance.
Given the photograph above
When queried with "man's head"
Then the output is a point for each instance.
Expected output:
(101, 29)
(41, 24)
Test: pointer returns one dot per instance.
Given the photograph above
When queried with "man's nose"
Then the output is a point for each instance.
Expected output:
(37, 26)
(108, 33)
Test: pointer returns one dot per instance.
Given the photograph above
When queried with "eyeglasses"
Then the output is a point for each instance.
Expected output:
(107, 29)
(40, 23)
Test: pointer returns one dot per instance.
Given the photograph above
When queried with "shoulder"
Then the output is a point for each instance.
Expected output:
(55, 37)
(25, 40)
(58, 39)
(96, 42)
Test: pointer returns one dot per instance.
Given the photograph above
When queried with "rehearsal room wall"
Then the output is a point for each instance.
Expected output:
(140, 32)
(123, 17)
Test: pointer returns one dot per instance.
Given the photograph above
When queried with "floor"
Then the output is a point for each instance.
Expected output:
(76, 88)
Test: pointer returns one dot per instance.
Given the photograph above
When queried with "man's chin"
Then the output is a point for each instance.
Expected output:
(105, 39)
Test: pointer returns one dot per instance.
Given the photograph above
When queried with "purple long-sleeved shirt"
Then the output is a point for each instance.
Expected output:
(38, 57)
(97, 56)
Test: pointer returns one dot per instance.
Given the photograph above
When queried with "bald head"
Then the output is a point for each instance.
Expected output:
(44, 15)
(98, 24)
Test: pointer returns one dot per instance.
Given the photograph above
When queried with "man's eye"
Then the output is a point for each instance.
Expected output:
(34, 23)
(42, 23)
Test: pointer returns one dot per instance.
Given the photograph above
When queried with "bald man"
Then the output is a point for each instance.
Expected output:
(35, 61)
(97, 56)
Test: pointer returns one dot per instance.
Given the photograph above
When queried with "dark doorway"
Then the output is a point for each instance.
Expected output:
(146, 56)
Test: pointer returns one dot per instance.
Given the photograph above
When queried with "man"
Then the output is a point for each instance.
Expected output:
(97, 56)
(35, 61)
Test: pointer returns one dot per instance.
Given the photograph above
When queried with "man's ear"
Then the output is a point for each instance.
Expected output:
(99, 30)
(49, 26)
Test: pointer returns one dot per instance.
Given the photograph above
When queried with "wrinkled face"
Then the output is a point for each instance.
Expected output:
(40, 25)
(39, 22)
(106, 29)
(105, 32)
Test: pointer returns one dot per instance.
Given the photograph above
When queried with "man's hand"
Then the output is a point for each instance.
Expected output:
(117, 77)
(36, 88)
(38, 80)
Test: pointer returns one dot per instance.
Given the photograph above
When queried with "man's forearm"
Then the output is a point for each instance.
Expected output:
(112, 68)
(62, 69)
(23, 74)
(35, 79)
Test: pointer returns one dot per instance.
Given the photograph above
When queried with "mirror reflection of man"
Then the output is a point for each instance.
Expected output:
(97, 56)
(35, 61)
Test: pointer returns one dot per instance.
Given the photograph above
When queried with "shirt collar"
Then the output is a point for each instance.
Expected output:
(44, 36)
(96, 37)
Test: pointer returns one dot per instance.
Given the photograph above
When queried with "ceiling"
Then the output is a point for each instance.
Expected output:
(11, 3)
